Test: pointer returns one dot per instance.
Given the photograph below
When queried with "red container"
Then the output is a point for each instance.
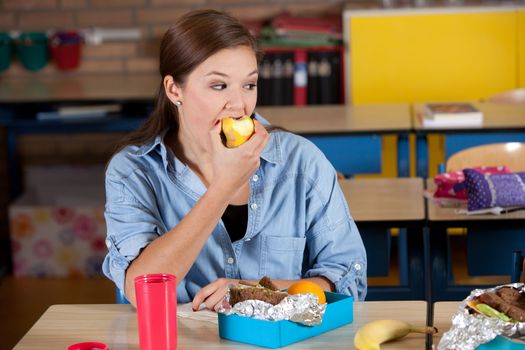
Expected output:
(66, 49)
(156, 296)
(88, 346)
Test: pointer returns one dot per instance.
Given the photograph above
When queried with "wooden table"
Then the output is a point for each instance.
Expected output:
(442, 318)
(502, 122)
(116, 325)
(395, 200)
(485, 254)
(379, 132)
(340, 119)
(378, 205)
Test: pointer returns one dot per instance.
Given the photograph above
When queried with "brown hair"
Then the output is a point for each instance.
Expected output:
(195, 36)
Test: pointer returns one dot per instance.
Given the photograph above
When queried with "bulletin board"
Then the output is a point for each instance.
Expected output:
(418, 55)
(521, 47)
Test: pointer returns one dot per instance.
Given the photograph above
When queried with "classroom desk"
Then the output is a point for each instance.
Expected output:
(442, 318)
(490, 242)
(116, 325)
(355, 138)
(501, 123)
(378, 205)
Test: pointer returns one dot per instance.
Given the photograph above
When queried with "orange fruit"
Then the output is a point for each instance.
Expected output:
(308, 287)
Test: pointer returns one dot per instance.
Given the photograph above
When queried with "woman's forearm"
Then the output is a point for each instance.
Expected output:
(323, 282)
(176, 251)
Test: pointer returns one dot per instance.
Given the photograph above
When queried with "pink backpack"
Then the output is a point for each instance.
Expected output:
(451, 184)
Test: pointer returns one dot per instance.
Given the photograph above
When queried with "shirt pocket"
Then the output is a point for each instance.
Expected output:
(282, 257)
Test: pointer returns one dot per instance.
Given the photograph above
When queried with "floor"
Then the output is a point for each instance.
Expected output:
(24, 300)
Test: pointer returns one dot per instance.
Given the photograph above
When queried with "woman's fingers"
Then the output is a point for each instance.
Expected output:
(261, 134)
(202, 295)
(212, 294)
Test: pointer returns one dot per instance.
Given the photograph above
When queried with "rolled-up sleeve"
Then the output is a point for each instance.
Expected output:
(339, 255)
(335, 247)
(131, 226)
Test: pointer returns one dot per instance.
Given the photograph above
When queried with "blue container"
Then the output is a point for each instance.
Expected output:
(339, 311)
(502, 343)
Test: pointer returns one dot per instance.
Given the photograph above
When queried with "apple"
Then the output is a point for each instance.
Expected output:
(235, 132)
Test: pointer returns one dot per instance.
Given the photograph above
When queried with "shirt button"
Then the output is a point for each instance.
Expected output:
(230, 260)
(357, 267)
(247, 239)
(253, 206)
(255, 178)
(108, 243)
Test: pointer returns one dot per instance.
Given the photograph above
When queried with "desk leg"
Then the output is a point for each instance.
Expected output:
(402, 247)
(403, 156)
(416, 263)
(439, 265)
(421, 156)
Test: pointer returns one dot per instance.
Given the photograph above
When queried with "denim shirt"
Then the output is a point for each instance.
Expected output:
(299, 224)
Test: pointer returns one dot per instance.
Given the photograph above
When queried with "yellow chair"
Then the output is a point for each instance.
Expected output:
(511, 154)
(511, 96)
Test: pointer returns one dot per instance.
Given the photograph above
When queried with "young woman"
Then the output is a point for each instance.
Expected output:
(180, 202)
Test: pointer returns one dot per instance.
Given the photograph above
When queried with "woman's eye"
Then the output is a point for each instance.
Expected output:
(250, 86)
(218, 86)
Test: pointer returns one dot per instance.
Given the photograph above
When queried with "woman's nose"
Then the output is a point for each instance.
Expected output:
(235, 101)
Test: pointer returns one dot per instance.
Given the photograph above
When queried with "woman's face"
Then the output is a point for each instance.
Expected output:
(223, 85)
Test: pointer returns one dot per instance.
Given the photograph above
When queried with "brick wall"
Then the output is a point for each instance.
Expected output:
(151, 17)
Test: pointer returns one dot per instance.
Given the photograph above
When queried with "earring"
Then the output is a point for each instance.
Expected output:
(178, 103)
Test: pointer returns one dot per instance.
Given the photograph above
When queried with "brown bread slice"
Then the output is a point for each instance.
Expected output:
(265, 291)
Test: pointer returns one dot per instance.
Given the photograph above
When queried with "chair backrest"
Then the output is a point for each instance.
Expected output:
(511, 154)
(511, 96)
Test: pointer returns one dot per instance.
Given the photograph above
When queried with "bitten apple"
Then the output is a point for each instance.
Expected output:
(237, 131)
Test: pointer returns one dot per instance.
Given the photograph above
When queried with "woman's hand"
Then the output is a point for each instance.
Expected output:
(212, 294)
(232, 167)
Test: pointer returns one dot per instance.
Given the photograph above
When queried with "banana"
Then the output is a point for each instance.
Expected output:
(373, 334)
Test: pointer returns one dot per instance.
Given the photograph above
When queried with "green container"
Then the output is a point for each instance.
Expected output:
(5, 51)
(32, 50)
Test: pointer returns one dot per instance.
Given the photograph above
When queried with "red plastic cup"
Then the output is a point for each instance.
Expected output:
(156, 296)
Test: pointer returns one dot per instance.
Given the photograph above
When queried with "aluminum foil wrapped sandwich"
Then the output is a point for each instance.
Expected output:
(485, 314)
(265, 302)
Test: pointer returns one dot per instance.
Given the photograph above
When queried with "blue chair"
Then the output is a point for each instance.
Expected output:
(121, 298)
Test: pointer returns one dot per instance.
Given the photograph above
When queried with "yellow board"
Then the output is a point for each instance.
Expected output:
(521, 47)
(432, 56)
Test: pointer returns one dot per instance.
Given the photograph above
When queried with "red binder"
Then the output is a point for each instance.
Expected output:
(300, 78)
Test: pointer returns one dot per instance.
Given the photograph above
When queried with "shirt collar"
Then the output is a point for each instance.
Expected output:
(151, 145)
(272, 151)
(166, 154)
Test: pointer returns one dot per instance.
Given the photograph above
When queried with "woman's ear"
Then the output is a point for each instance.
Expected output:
(173, 91)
